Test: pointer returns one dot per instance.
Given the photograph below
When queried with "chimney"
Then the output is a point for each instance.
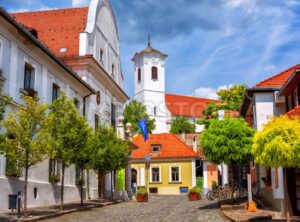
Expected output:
(195, 144)
(183, 136)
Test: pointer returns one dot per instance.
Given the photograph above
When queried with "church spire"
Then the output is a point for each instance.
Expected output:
(149, 40)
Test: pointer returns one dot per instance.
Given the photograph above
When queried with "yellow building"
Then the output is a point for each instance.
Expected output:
(172, 168)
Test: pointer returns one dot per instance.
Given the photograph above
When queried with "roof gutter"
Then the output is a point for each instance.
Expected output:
(37, 42)
(288, 81)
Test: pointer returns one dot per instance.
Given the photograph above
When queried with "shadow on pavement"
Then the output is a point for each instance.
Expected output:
(211, 206)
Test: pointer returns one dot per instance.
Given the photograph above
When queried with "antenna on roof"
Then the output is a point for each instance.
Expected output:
(149, 40)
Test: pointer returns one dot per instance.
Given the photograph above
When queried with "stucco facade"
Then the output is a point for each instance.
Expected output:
(187, 175)
(96, 84)
(262, 107)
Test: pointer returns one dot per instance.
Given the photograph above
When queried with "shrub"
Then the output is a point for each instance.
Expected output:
(142, 191)
(195, 190)
(214, 185)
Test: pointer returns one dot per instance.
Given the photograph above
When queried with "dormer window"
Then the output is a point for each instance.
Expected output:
(139, 75)
(154, 74)
(155, 148)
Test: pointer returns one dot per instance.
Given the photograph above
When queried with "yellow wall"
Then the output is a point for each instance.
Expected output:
(165, 187)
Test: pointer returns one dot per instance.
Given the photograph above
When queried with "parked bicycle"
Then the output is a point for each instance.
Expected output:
(225, 192)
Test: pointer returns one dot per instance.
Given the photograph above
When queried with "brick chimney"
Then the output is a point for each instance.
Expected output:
(195, 144)
(183, 136)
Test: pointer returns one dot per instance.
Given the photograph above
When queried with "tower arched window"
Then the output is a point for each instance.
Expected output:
(139, 75)
(154, 73)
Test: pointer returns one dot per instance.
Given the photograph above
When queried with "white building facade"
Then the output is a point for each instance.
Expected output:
(261, 104)
(95, 82)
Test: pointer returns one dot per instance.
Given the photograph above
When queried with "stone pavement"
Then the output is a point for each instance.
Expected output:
(158, 209)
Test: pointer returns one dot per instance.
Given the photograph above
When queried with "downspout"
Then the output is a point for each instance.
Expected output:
(87, 171)
(84, 103)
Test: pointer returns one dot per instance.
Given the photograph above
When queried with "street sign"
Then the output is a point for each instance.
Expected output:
(147, 157)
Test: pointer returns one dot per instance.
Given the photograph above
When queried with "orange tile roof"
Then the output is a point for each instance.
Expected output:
(277, 80)
(294, 112)
(171, 147)
(186, 105)
(57, 29)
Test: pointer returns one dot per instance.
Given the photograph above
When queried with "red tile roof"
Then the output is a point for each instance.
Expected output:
(277, 80)
(294, 112)
(186, 105)
(171, 147)
(57, 29)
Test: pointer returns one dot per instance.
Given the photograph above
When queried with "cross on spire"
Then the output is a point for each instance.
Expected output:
(149, 40)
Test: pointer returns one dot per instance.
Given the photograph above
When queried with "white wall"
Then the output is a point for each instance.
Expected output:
(265, 109)
(152, 92)
(14, 53)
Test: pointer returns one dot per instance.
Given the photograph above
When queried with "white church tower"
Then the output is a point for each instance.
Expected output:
(149, 78)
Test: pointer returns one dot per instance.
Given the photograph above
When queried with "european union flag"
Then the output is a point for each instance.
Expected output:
(142, 124)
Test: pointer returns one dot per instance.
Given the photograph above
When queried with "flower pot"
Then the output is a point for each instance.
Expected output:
(142, 197)
(194, 196)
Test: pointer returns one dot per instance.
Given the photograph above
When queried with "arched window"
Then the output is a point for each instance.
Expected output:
(154, 73)
(139, 75)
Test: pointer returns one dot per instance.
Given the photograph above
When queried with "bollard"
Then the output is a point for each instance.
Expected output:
(19, 205)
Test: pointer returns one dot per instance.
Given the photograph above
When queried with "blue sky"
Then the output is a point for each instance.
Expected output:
(210, 43)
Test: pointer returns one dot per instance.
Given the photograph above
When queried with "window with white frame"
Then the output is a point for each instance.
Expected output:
(155, 174)
(102, 56)
(175, 174)
(28, 77)
(55, 91)
(76, 103)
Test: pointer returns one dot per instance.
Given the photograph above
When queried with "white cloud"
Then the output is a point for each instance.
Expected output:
(80, 3)
(209, 92)
(206, 92)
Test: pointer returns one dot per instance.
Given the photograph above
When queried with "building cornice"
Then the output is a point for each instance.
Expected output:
(89, 62)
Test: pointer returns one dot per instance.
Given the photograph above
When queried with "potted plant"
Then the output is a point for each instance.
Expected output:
(194, 194)
(142, 195)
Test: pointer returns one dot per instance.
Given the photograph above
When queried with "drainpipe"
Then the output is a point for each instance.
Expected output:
(84, 103)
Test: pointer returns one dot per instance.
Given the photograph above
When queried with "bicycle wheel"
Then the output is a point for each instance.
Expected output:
(215, 195)
(208, 195)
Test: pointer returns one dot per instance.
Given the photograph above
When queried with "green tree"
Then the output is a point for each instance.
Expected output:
(4, 100)
(182, 124)
(27, 139)
(108, 152)
(212, 110)
(228, 140)
(232, 98)
(136, 111)
(278, 145)
(67, 128)
(82, 157)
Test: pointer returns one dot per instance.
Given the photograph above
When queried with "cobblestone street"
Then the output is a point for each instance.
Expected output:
(159, 208)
